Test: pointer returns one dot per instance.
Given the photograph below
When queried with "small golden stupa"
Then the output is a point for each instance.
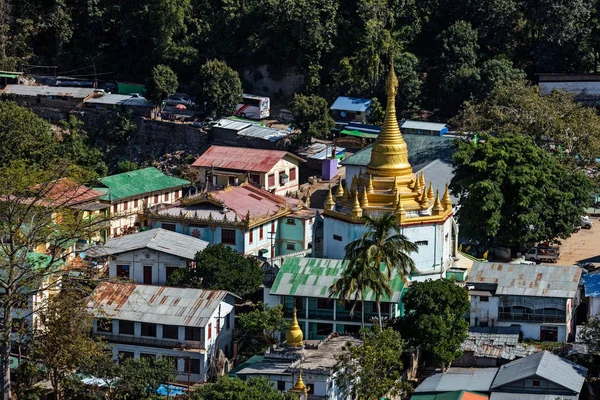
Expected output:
(294, 336)
(300, 387)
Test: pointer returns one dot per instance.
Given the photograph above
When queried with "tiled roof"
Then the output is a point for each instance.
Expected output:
(240, 158)
(137, 182)
(156, 304)
(312, 277)
(527, 280)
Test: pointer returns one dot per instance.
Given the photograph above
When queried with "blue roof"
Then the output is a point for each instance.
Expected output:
(351, 104)
(591, 282)
(170, 390)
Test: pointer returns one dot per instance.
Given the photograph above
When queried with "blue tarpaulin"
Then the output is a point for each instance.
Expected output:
(170, 390)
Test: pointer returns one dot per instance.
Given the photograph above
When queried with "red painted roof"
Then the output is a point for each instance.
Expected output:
(67, 192)
(241, 158)
(259, 202)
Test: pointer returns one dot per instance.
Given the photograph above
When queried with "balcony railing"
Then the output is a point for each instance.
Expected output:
(149, 341)
(503, 316)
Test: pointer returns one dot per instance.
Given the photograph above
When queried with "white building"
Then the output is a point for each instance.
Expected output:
(273, 170)
(149, 257)
(540, 299)
(389, 185)
(187, 326)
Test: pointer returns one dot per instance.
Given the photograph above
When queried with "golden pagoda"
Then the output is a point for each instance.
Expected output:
(294, 335)
(389, 184)
(300, 387)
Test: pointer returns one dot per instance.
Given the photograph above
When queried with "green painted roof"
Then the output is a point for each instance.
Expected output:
(251, 361)
(455, 395)
(312, 277)
(137, 182)
(422, 149)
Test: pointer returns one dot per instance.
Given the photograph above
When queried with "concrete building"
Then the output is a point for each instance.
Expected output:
(272, 170)
(540, 299)
(350, 109)
(138, 106)
(63, 98)
(423, 128)
(303, 284)
(389, 185)
(253, 221)
(243, 133)
(150, 256)
(130, 193)
(189, 327)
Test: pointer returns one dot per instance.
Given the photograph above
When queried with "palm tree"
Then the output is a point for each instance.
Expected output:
(381, 243)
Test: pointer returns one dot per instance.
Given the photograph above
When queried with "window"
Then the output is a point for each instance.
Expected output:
(146, 201)
(292, 174)
(125, 205)
(290, 221)
(126, 327)
(251, 234)
(124, 355)
(209, 331)
(349, 304)
(104, 325)
(337, 237)
(148, 330)
(281, 386)
(484, 299)
(192, 365)
(193, 333)
(231, 180)
(283, 178)
(290, 246)
(299, 303)
(176, 194)
(254, 178)
(325, 304)
(135, 203)
(271, 180)
(170, 332)
(155, 199)
(422, 243)
(535, 383)
(123, 271)
(228, 236)
(261, 234)
(169, 227)
(170, 270)
(116, 208)
(385, 308)
(166, 197)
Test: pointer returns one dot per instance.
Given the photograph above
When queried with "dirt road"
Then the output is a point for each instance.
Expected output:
(583, 246)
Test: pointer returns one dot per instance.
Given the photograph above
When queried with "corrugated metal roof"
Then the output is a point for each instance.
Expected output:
(351, 104)
(544, 365)
(472, 379)
(247, 198)
(312, 277)
(138, 182)
(240, 158)
(231, 124)
(527, 280)
(263, 132)
(110, 98)
(591, 284)
(439, 173)
(426, 126)
(33, 90)
(159, 239)
(156, 304)
(497, 342)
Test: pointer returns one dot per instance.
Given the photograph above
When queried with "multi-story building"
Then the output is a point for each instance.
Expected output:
(304, 283)
(540, 299)
(249, 219)
(150, 256)
(273, 170)
(190, 327)
(129, 193)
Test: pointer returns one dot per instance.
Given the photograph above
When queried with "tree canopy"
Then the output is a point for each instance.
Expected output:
(218, 87)
(311, 116)
(512, 191)
(227, 388)
(161, 84)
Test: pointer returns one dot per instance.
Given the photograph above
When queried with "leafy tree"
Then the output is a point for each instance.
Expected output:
(374, 368)
(311, 116)
(590, 335)
(161, 84)
(126, 166)
(218, 87)
(512, 191)
(220, 267)
(263, 323)
(377, 112)
(405, 66)
(140, 378)
(434, 319)
(74, 146)
(498, 72)
(459, 47)
(227, 388)
(458, 86)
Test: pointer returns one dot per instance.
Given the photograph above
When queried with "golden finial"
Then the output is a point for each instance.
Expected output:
(300, 387)
(422, 179)
(424, 199)
(307, 201)
(340, 192)
(399, 209)
(329, 203)
(417, 187)
(356, 210)
(365, 199)
(371, 189)
(395, 183)
(437, 206)
(294, 336)
(446, 200)
(430, 191)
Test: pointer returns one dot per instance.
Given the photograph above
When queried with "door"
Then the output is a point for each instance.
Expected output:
(147, 275)
(549, 333)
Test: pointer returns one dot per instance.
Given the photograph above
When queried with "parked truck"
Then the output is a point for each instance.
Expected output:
(540, 254)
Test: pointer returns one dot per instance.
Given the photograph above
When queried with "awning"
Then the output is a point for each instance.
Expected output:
(7, 75)
(360, 134)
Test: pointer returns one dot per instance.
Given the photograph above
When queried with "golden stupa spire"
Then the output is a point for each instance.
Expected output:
(365, 199)
(417, 186)
(389, 156)
(422, 179)
(430, 191)
(340, 192)
(356, 211)
(446, 200)
(294, 335)
(424, 199)
(329, 203)
(299, 387)
(371, 189)
(437, 206)
(399, 209)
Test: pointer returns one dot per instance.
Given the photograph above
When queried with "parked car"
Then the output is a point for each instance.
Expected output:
(586, 222)
(543, 254)
(176, 100)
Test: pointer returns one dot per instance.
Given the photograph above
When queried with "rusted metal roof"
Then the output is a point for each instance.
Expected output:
(258, 202)
(156, 304)
(241, 158)
(497, 342)
(527, 280)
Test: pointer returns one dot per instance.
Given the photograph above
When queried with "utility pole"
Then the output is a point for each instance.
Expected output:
(272, 237)
(188, 374)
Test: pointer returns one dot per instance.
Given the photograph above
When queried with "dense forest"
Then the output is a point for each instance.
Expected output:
(445, 51)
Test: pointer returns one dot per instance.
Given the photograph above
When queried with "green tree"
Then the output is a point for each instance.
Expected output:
(434, 319)
(227, 388)
(498, 72)
(377, 112)
(373, 369)
(512, 191)
(220, 267)
(218, 88)
(74, 146)
(590, 335)
(140, 378)
(459, 47)
(405, 66)
(161, 84)
(311, 116)
(259, 327)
